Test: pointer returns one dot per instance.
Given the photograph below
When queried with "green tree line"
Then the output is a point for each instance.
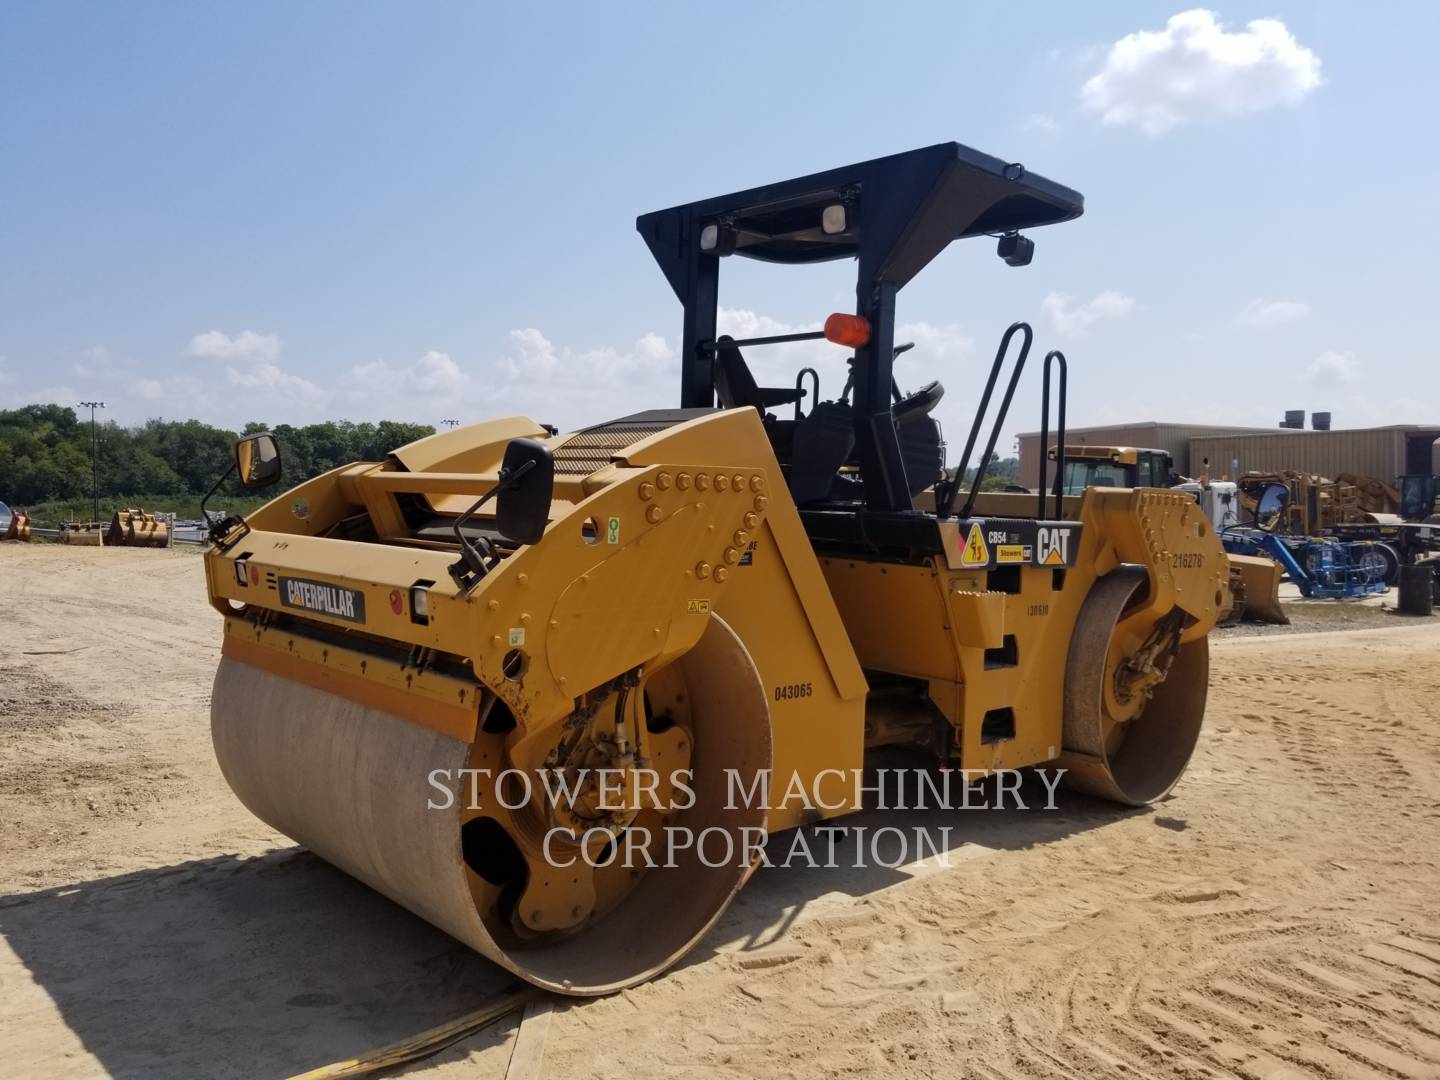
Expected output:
(45, 454)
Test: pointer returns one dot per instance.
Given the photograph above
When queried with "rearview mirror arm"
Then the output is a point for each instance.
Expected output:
(223, 530)
(477, 560)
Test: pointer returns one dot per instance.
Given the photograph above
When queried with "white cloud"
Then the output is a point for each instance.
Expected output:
(1331, 369)
(744, 323)
(266, 376)
(244, 346)
(150, 389)
(1073, 319)
(1195, 69)
(97, 362)
(434, 374)
(5, 376)
(1269, 313)
(932, 344)
(1040, 121)
(54, 395)
(533, 355)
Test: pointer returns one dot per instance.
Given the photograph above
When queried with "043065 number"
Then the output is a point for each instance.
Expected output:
(790, 691)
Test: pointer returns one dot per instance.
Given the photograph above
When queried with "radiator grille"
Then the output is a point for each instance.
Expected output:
(586, 451)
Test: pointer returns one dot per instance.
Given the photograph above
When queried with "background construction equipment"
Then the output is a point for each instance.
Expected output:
(14, 524)
(137, 528)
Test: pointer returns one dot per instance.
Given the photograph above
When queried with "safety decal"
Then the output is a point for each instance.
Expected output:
(517, 636)
(991, 543)
(975, 552)
(697, 607)
(612, 535)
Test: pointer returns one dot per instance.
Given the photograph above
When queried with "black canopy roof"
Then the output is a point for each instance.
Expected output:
(893, 215)
(901, 211)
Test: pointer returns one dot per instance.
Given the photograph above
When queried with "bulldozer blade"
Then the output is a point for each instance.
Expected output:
(1258, 592)
(1145, 760)
(354, 785)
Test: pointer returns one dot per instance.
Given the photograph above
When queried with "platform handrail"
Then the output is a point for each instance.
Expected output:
(984, 407)
(1052, 355)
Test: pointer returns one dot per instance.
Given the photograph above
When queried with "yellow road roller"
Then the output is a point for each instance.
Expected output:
(657, 616)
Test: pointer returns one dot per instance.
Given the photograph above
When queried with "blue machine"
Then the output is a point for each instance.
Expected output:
(1322, 567)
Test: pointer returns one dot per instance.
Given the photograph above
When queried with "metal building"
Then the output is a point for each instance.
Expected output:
(1382, 452)
(1148, 434)
(1220, 452)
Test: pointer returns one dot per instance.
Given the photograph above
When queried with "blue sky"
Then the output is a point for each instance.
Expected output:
(290, 212)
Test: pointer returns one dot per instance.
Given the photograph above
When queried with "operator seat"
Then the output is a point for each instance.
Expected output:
(736, 387)
(825, 440)
(921, 446)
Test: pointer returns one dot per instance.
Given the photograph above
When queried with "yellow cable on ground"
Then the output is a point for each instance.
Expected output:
(422, 1045)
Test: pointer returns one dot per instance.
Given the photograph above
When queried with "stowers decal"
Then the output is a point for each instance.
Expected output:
(991, 543)
(322, 598)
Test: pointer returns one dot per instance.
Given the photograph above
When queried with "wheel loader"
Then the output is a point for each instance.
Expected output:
(747, 591)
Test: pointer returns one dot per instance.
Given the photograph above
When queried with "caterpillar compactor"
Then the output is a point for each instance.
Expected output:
(422, 654)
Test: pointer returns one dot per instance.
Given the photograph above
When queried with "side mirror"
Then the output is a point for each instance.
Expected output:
(527, 484)
(257, 458)
(1272, 500)
(1417, 496)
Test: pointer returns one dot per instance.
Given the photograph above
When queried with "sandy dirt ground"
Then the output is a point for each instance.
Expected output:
(1278, 916)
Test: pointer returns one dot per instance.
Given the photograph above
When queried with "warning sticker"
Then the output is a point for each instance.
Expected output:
(517, 636)
(975, 552)
(697, 607)
(986, 543)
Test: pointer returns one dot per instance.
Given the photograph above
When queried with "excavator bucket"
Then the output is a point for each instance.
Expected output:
(1255, 586)
(16, 524)
(137, 528)
(83, 534)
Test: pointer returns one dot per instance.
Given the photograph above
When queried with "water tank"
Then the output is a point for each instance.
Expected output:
(1320, 421)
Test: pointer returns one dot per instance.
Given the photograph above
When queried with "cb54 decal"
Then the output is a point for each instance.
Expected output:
(986, 544)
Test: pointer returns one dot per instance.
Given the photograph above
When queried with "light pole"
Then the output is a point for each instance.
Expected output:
(94, 457)
(450, 423)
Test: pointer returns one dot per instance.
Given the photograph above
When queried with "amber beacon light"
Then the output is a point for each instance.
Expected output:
(849, 330)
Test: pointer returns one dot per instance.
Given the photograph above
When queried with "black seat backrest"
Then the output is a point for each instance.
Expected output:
(922, 449)
(921, 446)
(822, 443)
(734, 385)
